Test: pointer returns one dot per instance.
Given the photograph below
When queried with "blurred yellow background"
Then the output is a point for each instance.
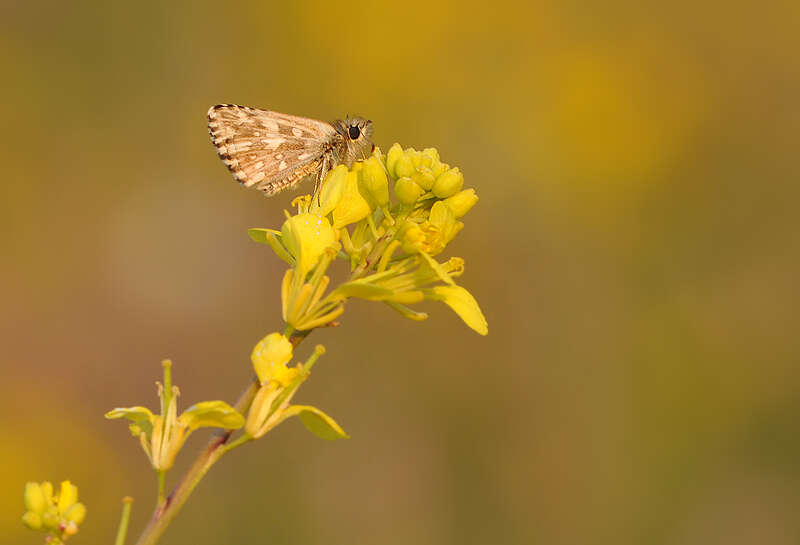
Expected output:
(635, 251)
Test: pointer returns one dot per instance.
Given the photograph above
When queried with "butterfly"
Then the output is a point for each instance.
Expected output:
(271, 151)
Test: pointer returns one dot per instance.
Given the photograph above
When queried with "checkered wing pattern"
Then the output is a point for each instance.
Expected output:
(270, 151)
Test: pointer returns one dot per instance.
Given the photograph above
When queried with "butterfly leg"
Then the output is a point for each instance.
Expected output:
(323, 171)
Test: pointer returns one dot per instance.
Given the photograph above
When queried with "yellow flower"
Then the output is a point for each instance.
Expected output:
(432, 235)
(389, 248)
(331, 191)
(270, 357)
(59, 514)
(163, 435)
(306, 237)
(352, 207)
(271, 405)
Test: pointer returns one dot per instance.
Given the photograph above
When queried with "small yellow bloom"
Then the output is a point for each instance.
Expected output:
(58, 514)
(352, 207)
(163, 435)
(270, 357)
(306, 237)
(434, 234)
(331, 191)
(271, 406)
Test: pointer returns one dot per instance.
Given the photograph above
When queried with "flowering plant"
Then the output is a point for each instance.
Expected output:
(389, 250)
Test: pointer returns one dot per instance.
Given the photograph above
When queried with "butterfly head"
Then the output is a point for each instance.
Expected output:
(357, 133)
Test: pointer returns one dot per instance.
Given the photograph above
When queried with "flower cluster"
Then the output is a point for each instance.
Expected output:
(386, 218)
(390, 246)
(163, 435)
(279, 383)
(57, 514)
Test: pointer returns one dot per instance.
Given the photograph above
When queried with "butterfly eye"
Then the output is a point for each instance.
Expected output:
(354, 132)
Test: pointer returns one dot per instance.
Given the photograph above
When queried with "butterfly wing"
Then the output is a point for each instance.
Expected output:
(269, 150)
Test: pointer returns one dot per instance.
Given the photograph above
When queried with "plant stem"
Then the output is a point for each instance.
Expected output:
(123, 522)
(167, 510)
(160, 500)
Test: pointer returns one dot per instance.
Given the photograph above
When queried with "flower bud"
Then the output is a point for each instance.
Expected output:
(34, 498)
(424, 177)
(32, 520)
(50, 518)
(433, 153)
(462, 202)
(47, 490)
(448, 183)
(270, 356)
(67, 496)
(416, 157)
(407, 190)
(440, 168)
(394, 153)
(76, 513)
(404, 166)
(373, 184)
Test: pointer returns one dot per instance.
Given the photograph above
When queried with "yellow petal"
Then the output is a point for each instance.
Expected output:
(463, 303)
(270, 355)
(211, 414)
(331, 191)
(306, 236)
(352, 207)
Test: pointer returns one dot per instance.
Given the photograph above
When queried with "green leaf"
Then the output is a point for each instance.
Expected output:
(318, 423)
(211, 414)
(259, 235)
(271, 238)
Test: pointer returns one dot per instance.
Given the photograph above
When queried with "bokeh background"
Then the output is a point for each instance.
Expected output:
(635, 251)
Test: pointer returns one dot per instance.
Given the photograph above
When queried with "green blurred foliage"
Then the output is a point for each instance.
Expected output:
(635, 251)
